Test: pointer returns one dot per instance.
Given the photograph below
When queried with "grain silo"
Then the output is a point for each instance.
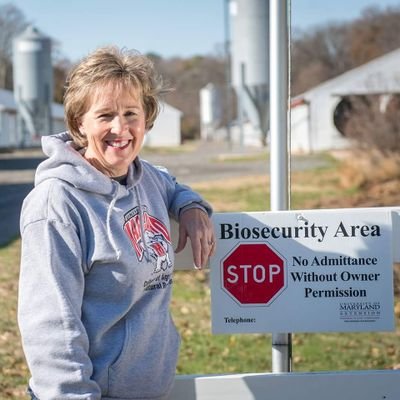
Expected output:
(250, 61)
(33, 85)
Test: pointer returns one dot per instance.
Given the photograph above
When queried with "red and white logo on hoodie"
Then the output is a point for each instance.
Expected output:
(149, 237)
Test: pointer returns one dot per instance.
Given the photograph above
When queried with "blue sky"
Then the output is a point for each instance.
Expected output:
(167, 27)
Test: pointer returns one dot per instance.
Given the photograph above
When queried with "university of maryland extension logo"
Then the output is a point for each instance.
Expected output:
(148, 235)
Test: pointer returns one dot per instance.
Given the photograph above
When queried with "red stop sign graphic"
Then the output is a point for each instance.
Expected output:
(253, 273)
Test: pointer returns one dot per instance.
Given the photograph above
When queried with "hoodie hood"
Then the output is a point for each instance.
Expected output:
(66, 162)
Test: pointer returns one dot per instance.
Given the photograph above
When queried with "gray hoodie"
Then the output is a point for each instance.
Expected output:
(96, 278)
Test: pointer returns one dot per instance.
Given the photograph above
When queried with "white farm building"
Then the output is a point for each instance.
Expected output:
(166, 131)
(312, 112)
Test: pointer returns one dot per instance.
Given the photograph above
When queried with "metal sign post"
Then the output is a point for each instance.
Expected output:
(279, 158)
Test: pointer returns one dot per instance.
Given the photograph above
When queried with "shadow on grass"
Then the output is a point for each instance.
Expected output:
(11, 198)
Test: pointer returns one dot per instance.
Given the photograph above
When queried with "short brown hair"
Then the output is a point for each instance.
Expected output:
(116, 66)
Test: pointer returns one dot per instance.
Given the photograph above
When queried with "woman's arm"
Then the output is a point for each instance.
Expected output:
(51, 290)
(193, 214)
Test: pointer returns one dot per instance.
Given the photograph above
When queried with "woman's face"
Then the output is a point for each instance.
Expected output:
(115, 127)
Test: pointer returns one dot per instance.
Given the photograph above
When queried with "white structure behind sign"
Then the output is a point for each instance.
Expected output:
(303, 271)
(166, 131)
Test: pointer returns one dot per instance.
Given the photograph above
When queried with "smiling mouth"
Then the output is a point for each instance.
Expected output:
(118, 144)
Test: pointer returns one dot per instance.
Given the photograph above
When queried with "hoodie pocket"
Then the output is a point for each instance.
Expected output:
(146, 365)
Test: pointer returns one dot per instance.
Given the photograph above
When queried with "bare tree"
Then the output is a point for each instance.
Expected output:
(12, 22)
(187, 77)
(319, 55)
(374, 34)
(327, 51)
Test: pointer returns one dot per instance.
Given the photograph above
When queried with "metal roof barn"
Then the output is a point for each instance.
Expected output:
(312, 115)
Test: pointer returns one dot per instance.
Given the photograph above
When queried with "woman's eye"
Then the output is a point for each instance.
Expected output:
(104, 116)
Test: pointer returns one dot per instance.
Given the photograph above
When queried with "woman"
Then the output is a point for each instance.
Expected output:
(97, 258)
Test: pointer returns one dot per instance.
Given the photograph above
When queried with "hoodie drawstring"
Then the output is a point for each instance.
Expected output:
(108, 222)
(142, 230)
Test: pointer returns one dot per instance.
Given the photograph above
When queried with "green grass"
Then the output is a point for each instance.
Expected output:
(350, 351)
(202, 352)
(13, 370)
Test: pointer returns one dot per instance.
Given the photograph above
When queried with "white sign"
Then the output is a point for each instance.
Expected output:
(303, 271)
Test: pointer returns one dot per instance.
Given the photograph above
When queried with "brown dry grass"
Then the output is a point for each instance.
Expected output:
(363, 169)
